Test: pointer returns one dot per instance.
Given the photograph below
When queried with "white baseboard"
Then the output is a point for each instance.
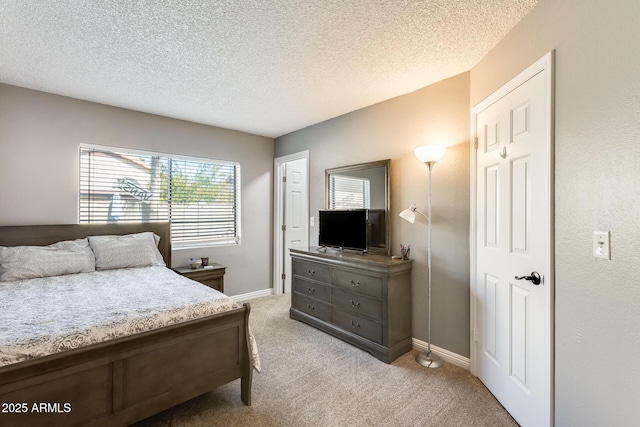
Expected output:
(252, 295)
(447, 356)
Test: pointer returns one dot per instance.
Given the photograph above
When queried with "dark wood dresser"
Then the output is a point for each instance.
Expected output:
(364, 300)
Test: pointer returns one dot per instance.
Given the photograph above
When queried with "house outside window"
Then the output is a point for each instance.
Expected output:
(201, 198)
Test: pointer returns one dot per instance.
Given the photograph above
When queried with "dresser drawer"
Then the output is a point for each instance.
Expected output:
(312, 289)
(311, 270)
(359, 325)
(312, 307)
(357, 303)
(366, 285)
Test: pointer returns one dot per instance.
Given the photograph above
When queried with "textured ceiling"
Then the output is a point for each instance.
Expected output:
(266, 67)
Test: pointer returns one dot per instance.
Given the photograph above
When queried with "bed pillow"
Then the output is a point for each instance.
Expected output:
(125, 251)
(30, 262)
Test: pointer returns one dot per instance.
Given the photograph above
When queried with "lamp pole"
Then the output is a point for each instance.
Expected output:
(429, 155)
(428, 359)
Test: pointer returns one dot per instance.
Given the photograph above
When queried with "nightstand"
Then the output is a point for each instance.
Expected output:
(212, 276)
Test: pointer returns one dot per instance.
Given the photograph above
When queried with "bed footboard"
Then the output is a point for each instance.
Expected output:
(128, 379)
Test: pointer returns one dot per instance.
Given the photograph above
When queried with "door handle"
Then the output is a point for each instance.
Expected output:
(534, 278)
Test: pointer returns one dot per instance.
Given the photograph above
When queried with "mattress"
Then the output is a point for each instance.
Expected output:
(44, 316)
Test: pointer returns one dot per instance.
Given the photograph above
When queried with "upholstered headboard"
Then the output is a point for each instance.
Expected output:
(41, 235)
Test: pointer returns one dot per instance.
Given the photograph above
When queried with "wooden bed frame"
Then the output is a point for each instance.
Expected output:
(128, 379)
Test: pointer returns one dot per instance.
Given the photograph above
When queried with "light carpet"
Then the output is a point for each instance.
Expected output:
(310, 378)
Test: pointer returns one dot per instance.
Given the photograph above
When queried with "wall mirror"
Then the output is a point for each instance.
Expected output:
(364, 185)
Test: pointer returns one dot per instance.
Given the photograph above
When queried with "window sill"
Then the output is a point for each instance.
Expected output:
(187, 246)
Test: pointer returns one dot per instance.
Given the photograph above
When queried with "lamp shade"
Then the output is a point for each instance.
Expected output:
(430, 153)
(409, 214)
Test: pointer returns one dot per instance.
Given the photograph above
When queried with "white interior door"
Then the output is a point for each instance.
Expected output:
(296, 213)
(513, 229)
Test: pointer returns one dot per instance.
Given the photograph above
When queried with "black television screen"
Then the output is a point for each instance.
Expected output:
(345, 229)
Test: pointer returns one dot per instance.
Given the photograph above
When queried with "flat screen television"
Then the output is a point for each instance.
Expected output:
(346, 229)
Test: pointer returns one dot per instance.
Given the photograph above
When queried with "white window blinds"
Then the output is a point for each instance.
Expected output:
(348, 192)
(200, 198)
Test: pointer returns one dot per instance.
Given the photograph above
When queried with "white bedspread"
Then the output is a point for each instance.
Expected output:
(44, 316)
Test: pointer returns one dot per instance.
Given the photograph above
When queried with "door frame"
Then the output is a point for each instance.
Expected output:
(278, 214)
(546, 65)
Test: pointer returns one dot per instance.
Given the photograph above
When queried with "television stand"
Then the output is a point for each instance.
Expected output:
(365, 301)
(329, 249)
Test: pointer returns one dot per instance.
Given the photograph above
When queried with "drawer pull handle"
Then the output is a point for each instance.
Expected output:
(355, 304)
(354, 325)
(355, 284)
(311, 272)
(311, 290)
(310, 307)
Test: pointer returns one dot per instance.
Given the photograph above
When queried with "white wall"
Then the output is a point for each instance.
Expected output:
(39, 138)
(391, 130)
(597, 343)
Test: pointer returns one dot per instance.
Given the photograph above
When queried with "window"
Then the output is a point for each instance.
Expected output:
(201, 198)
(348, 192)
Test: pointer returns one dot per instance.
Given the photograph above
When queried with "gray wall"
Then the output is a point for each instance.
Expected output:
(391, 130)
(39, 138)
(597, 373)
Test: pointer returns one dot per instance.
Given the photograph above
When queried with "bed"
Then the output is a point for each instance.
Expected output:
(120, 379)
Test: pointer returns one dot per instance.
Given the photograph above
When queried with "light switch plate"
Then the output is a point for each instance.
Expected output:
(312, 221)
(601, 245)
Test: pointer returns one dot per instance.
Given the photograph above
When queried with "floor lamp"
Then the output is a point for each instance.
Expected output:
(429, 155)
